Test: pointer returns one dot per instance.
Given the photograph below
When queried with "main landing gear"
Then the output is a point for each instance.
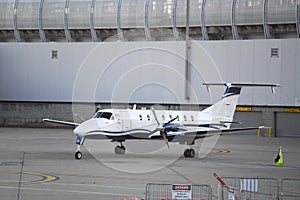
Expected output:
(120, 149)
(79, 142)
(189, 153)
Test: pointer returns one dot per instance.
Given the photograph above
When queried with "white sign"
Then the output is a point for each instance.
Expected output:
(181, 192)
(231, 194)
(250, 185)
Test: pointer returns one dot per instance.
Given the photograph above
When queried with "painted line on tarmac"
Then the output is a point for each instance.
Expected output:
(222, 151)
(118, 178)
(69, 191)
(97, 186)
(78, 184)
(45, 178)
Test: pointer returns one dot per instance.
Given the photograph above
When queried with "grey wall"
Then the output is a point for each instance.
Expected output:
(287, 124)
(148, 72)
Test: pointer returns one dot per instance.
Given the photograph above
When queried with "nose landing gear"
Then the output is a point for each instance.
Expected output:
(78, 155)
(79, 142)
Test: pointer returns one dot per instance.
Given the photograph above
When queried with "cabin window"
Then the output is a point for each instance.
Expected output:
(192, 118)
(163, 117)
(141, 117)
(148, 117)
(178, 118)
(104, 115)
(170, 116)
(184, 118)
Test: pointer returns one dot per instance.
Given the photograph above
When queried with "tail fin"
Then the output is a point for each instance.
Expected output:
(223, 110)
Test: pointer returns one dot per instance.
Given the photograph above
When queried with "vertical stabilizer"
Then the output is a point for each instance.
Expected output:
(223, 110)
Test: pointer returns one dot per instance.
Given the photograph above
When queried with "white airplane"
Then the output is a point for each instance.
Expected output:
(183, 127)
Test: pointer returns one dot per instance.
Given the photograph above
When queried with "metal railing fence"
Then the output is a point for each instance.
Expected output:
(164, 192)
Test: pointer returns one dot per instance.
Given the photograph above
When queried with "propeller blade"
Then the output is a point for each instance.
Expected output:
(166, 124)
(160, 128)
(155, 117)
(164, 135)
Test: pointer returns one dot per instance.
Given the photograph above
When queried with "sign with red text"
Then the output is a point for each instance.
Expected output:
(181, 192)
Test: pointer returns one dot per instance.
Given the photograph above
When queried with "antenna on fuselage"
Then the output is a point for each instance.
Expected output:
(134, 107)
(98, 108)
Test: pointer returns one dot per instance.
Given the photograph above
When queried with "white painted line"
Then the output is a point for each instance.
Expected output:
(75, 184)
(69, 191)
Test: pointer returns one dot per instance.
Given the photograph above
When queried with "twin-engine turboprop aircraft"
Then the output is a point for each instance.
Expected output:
(183, 127)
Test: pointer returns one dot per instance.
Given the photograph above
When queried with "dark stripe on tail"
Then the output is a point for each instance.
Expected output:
(231, 91)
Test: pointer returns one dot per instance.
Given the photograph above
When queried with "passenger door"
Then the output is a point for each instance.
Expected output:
(126, 121)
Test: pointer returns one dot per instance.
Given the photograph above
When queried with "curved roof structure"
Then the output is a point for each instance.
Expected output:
(130, 20)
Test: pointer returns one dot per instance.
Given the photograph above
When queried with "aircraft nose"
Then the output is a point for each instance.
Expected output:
(79, 131)
(86, 127)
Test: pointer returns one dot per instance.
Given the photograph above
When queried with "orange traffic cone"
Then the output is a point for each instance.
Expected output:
(279, 159)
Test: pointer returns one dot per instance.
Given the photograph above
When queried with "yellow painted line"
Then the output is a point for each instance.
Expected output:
(292, 110)
(243, 109)
(222, 151)
(44, 179)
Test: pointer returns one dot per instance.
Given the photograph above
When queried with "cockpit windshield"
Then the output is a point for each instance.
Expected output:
(105, 115)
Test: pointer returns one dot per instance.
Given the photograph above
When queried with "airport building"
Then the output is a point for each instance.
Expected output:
(55, 55)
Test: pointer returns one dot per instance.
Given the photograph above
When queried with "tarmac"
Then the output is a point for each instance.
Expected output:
(39, 164)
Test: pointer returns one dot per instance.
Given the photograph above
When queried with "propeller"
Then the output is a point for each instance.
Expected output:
(160, 128)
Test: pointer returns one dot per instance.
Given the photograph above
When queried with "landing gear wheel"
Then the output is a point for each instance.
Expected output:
(78, 155)
(120, 150)
(189, 153)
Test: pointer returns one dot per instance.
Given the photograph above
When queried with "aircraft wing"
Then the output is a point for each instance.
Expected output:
(73, 124)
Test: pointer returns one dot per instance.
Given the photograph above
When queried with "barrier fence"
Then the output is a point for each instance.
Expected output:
(239, 188)
(249, 188)
(177, 191)
(290, 189)
(236, 188)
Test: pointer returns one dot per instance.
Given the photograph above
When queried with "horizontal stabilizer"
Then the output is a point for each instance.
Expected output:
(271, 85)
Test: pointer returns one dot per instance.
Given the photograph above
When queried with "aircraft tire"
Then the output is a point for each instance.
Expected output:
(192, 153)
(78, 155)
(120, 150)
(189, 153)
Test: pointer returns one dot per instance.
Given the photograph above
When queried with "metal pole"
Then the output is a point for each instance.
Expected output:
(187, 46)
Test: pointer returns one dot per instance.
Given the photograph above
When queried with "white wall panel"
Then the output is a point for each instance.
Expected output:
(232, 51)
(288, 71)
(27, 72)
(260, 71)
(246, 66)
(297, 74)
(274, 66)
